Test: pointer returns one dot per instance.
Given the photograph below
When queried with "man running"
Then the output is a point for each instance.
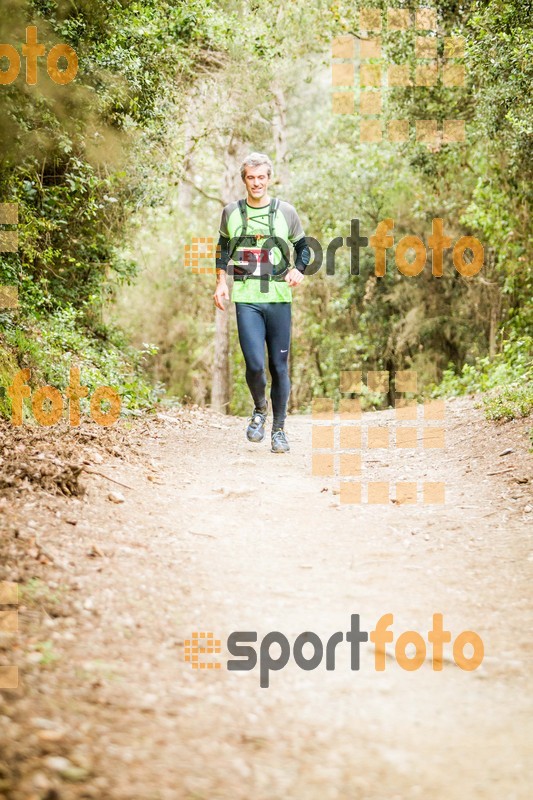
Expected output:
(262, 290)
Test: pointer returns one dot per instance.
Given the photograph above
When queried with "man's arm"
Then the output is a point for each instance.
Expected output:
(221, 263)
(222, 256)
(297, 237)
(303, 254)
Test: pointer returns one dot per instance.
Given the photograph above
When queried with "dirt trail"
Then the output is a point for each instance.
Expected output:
(220, 535)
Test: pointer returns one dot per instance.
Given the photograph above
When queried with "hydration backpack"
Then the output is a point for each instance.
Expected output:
(252, 239)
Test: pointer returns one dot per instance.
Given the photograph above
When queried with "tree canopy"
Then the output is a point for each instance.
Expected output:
(115, 173)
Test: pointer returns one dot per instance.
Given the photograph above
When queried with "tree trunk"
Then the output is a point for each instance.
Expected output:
(494, 324)
(495, 306)
(185, 192)
(279, 121)
(220, 391)
(282, 174)
(232, 189)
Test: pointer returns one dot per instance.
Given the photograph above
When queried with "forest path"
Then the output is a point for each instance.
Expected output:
(217, 534)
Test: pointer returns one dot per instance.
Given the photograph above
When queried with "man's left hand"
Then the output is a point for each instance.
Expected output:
(294, 277)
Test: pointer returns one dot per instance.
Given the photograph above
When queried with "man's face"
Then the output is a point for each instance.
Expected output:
(256, 180)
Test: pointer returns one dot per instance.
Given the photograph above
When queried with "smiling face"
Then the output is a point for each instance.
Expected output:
(257, 180)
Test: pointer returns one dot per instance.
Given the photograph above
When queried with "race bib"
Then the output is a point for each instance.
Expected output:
(255, 256)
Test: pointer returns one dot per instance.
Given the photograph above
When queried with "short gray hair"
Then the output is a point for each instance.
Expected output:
(255, 160)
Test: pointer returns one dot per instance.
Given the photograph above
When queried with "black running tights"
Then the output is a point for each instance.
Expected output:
(270, 323)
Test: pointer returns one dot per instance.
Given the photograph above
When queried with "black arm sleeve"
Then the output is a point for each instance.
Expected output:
(303, 254)
(222, 259)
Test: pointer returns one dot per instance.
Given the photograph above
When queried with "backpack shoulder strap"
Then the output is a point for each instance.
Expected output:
(274, 205)
(244, 217)
(244, 225)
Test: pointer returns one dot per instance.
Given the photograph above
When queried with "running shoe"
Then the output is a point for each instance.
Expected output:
(255, 431)
(279, 442)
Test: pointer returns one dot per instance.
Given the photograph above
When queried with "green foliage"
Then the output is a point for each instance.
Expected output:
(67, 218)
(78, 160)
(94, 166)
(438, 327)
(53, 343)
(8, 367)
(509, 402)
(441, 328)
(513, 363)
(506, 380)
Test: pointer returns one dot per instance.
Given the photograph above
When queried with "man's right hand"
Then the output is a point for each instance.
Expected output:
(221, 294)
